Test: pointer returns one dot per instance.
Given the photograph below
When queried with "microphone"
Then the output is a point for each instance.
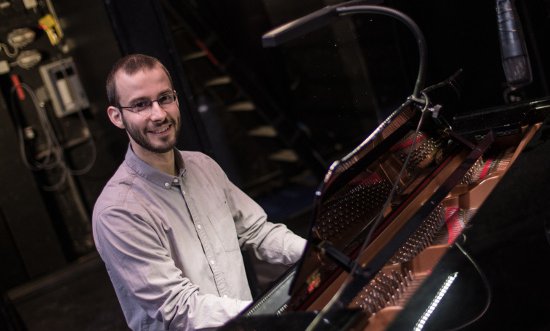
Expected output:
(515, 60)
(299, 27)
(308, 23)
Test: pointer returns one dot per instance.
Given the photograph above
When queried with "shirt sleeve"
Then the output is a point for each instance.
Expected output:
(141, 268)
(271, 242)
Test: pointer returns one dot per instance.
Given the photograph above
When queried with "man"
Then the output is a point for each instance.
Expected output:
(169, 225)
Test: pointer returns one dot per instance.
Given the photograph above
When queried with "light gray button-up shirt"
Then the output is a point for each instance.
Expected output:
(171, 244)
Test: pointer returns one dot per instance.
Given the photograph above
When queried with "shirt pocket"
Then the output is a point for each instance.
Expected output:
(223, 227)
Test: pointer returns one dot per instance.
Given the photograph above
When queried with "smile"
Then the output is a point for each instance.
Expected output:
(162, 129)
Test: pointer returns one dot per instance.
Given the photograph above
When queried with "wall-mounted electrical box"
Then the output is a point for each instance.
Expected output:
(64, 87)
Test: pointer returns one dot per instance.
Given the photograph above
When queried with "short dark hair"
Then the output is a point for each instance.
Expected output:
(130, 64)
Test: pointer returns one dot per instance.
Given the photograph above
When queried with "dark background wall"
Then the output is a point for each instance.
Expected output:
(60, 216)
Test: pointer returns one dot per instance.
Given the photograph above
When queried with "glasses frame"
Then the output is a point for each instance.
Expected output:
(147, 110)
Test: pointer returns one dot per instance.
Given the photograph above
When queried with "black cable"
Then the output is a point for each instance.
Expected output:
(53, 146)
(7, 51)
(487, 289)
(48, 162)
(413, 27)
(324, 16)
(54, 158)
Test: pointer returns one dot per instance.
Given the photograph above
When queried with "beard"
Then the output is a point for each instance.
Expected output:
(141, 139)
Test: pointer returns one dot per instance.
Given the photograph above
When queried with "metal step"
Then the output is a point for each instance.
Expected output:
(263, 131)
(195, 55)
(241, 106)
(218, 81)
(284, 155)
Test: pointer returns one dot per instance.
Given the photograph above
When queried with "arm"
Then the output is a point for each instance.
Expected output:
(270, 242)
(144, 275)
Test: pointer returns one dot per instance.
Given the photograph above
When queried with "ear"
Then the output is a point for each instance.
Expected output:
(115, 116)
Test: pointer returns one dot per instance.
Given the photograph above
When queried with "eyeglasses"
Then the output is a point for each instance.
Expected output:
(144, 106)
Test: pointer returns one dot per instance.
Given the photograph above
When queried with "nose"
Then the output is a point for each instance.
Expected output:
(157, 112)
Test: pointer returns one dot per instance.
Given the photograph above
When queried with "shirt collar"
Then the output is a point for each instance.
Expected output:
(142, 169)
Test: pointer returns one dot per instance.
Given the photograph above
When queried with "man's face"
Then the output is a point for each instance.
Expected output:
(157, 129)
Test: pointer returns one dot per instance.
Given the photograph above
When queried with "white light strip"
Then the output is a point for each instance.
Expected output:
(435, 302)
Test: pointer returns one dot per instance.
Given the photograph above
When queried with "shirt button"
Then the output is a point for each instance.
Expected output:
(212, 262)
(167, 185)
(199, 226)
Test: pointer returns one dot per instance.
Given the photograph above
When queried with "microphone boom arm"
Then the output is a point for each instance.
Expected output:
(324, 16)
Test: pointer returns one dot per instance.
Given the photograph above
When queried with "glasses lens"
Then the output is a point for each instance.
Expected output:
(167, 99)
(141, 105)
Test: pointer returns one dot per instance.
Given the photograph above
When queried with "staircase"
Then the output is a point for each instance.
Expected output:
(254, 141)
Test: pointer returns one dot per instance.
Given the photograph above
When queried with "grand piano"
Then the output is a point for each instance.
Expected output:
(436, 221)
